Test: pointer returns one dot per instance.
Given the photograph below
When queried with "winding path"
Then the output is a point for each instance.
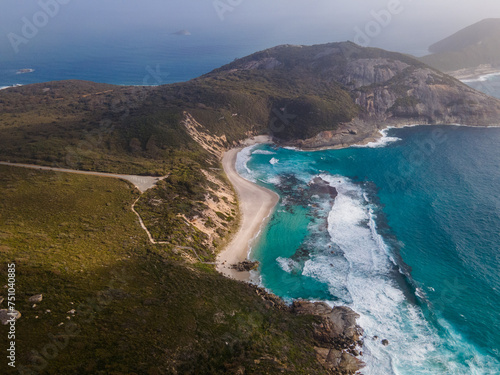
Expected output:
(142, 183)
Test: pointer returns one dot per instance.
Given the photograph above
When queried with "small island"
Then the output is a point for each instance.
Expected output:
(24, 71)
(182, 33)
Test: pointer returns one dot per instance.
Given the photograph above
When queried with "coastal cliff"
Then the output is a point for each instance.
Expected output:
(385, 88)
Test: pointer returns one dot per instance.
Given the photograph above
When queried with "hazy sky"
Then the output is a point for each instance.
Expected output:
(411, 27)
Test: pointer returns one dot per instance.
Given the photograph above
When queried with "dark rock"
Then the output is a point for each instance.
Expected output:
(337, 361)
(336, 328)
(246, 265)
(385, 342)
(321, 187)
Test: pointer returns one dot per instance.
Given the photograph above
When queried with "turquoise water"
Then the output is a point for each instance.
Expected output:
(411, 241)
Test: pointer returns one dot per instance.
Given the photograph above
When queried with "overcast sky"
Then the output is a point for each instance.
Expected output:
(403, 25)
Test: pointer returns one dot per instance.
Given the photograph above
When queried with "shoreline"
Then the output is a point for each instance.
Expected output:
(256, 204)
(474, 74)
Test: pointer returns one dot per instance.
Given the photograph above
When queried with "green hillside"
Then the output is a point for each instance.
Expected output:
(475, 45)
(116, 304)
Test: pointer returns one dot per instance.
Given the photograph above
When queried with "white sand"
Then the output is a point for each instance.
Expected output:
(256, 203)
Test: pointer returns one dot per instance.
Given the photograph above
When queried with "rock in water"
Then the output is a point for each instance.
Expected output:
(246, 265)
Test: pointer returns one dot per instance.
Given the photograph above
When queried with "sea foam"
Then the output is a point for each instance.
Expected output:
(363, 278)
(263, 152)
(382, 141)
(242, 160)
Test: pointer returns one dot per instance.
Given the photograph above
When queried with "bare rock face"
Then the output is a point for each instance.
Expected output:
(390, 89)
(336, 335)
(313, 308)
(365, 72)
(339, 362)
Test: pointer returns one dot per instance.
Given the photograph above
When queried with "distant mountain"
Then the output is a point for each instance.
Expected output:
(341, 93)
(476, 45)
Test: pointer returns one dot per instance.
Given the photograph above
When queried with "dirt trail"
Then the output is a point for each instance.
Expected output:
(142, 183)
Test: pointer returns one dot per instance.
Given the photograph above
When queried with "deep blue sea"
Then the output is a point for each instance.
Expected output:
(145, 58)
(411, 242)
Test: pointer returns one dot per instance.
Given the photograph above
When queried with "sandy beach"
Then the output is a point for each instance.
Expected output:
(255, 202)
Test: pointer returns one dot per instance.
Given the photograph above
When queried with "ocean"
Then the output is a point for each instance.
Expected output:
(146, 58)
(411, 242)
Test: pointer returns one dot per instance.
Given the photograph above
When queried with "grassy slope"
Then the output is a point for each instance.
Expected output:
(91, 126)
(140, 309)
